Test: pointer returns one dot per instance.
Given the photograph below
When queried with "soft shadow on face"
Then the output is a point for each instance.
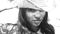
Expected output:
(35, 16)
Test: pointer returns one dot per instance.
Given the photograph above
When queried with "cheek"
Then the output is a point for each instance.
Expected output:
(29, 16)
(42, 14)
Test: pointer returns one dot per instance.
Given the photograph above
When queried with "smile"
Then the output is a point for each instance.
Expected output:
(36, 20)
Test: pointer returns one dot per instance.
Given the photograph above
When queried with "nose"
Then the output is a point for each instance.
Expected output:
(37, 16)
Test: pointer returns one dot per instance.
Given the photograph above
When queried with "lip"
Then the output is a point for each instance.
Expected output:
(36, 20)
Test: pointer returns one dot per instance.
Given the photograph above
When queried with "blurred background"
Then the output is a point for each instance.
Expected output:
(9, 11)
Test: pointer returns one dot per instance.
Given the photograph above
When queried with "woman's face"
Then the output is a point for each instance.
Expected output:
(35, 16)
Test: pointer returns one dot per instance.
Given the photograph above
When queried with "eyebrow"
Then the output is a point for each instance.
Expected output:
(33, 10)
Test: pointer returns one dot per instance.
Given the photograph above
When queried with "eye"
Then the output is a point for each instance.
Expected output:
(41, 10)
(32, 10)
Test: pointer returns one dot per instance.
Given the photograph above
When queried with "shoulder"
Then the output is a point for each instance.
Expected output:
(50, 29)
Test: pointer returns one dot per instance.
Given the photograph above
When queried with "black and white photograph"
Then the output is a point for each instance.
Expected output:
(29, 17)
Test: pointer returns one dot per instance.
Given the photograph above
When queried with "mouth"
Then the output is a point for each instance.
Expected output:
(36, 20)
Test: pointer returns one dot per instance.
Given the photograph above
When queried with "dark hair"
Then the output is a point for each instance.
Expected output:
(44, 26)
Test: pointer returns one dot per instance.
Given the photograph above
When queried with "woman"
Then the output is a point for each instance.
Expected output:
(34, 21)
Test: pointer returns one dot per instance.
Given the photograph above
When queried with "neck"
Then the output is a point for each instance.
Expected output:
(34, 28)
(38, 32)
